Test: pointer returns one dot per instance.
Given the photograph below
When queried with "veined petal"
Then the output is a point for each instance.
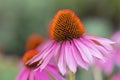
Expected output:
(96, 53)
(85, 53)
(49, 56)
(61, 61)
(69, 57)
(104, 42)
(104, 51)
(43, 53)
(78, 57)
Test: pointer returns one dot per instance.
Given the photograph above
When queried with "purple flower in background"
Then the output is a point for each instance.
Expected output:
(116, 38)
(70, 46)
(116, 77)
(108, 66)
(50, 72)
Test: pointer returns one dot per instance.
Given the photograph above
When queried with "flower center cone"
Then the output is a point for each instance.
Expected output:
(28, 55)
(66, 26)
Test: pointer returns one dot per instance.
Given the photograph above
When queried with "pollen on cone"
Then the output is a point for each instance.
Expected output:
(66, 26)
(33, 42)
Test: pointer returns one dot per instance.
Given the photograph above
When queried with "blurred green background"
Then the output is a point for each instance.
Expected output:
(21, 18)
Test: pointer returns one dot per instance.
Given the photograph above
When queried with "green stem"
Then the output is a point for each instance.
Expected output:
(97, 73)
(72, 76)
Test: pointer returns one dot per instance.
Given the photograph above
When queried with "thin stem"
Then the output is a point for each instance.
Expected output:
(97, 74)
(72, 76)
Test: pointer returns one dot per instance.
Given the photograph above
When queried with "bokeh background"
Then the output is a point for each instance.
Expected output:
(21, 18)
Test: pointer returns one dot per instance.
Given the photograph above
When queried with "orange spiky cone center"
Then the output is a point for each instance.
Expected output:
(33, 42)
(66, 26)
(29, 55)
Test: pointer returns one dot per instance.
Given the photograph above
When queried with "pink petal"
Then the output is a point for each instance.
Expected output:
(116, 37)
(31, 75)
(96, 53)
(42, 75)
(69, 57)
(103, 51)
(105, 42)
(44, 52)
(49, 56)
(78, 58)
(23, 75)
(54, 72)
(61, 61)
(85, 53)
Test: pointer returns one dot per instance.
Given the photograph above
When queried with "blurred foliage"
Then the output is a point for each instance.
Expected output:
(8, 68)
(21, 18)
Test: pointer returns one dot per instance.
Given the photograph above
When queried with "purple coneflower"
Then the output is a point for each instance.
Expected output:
(116, 77)
(116, 38)
(70, 45)
(108, 66)
(50, 72)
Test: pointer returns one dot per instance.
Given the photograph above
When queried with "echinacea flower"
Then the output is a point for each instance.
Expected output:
(70, 45)
(28, 73)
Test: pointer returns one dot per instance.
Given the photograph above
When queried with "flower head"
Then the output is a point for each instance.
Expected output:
(28, 72)
(66, 26)
(33, 41)
(70, 46)
(28, 55)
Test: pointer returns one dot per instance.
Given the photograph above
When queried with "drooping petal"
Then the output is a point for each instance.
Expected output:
(94, 51)
(85, 53)
(103, 51)
(49, 56)
(104, 42)
(44, 52)
(53, 70)
(71, 63)
(61, 61)
(78, 57)
(23, 75)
